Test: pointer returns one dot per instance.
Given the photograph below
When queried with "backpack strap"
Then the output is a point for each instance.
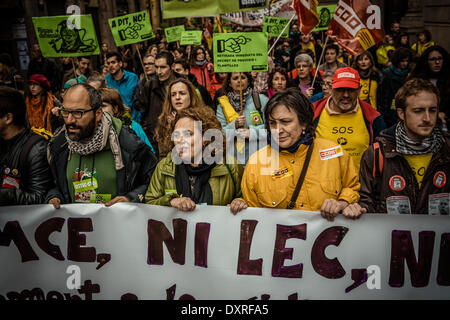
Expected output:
(26, 149)
(298, 187)
(377, 172)
(256, 101)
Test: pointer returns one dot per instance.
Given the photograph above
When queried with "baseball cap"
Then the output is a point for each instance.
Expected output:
(345, 78)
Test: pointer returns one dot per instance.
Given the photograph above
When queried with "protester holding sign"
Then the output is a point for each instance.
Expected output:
(329, 178)
(108, 163)
(186, 177)
(409, 165)
(304, 79)
(243, 121)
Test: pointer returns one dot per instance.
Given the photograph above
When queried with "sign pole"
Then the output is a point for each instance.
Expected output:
(74, 70)
(240, 93)
(142, 62)
(278, 38)
(318, 63)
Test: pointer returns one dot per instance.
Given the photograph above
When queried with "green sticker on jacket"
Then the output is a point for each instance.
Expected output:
(256, 117)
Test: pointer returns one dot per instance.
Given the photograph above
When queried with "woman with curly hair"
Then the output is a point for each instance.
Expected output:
(278, 81)
(112, 102)
(195, 173)
(181, 94)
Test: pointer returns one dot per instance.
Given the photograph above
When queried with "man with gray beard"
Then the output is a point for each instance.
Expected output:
(93, 158)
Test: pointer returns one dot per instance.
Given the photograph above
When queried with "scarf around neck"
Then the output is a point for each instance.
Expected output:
(306, 139)
(235, 99)
(104, 133)
(193, 182)
(200, 63)
(405, 145)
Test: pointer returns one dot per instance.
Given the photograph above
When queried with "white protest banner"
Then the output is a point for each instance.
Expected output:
(152, 252)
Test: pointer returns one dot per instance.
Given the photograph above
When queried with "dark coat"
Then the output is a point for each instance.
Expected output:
(132, 180)
(34, 174)
(395, 164)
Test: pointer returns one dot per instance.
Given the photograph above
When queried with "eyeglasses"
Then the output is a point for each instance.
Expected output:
(436, 59)
(77, 114)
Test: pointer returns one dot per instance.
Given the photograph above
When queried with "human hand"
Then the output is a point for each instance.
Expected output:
(239, 122)
(244, 133)
(56, 202)
(354, 211)
(115, 200)
(237, 205)
(309, 92)
(183, 204)
(232, 45)
(331, 208)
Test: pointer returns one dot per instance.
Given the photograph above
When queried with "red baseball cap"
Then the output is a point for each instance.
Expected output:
(345, 78)
(41, 80)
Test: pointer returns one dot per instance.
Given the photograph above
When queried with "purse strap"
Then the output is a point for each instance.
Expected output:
(298, 187)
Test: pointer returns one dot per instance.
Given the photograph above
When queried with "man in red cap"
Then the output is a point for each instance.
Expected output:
(344, 118)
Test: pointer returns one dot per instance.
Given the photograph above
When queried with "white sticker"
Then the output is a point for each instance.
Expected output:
(398, 205)
(331, 153)
(439, 204)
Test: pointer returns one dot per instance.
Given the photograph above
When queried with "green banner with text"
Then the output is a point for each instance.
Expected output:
(191, 37)
(197, 8)
(240, 52)
(173, 34)
(325, 13)
(273, 26)
(131, 28)
(66, 36)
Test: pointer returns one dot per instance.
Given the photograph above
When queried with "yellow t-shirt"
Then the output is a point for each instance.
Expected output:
(348, 130)
(419, 164)
(313, 49)
(365, 95)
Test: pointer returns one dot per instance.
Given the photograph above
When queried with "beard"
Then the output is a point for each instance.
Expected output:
(84, 133)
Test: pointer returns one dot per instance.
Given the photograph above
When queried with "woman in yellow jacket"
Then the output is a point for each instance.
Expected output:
(331, 183)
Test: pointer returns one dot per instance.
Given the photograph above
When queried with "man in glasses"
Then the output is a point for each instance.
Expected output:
(93, 158)
(346, 119)
(25, 176)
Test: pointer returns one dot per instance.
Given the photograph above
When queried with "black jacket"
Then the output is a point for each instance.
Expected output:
(34, 174)
(131, 181)
(374, 193)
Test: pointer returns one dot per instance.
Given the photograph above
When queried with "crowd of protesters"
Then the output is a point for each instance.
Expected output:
(351, 134)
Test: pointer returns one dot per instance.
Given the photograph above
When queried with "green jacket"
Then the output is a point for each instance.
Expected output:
(162, 186)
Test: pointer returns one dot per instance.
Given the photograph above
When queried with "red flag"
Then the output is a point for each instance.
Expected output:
(307, 14)
(356, 25)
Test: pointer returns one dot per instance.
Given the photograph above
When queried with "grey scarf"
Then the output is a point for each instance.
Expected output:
(235, 99)
(405, 145)
(105, 133)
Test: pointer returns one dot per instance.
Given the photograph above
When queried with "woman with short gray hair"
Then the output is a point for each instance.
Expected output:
(304, 65)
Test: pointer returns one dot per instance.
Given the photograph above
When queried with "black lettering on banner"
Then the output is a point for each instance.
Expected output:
(336, 130)
(248, 4)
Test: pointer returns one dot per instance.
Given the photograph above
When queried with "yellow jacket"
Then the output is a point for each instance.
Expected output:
(335, 178)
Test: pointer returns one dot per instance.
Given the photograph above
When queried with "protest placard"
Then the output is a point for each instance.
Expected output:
(131, 28)
(325, 15)
(196, 8)
(274, 25)
(173, 33)
(240, 52)
(66, 36)
(156, 252)
(191, 37)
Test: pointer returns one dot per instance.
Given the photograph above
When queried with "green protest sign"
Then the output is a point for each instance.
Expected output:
(197, 8)
(173, 33)
(66, 36)
(240, 52)
(325, 15)
(131, 28)
(274, 25)
(191, 37)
